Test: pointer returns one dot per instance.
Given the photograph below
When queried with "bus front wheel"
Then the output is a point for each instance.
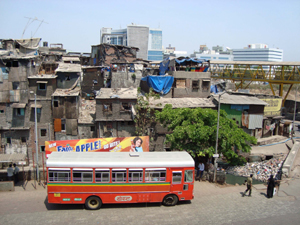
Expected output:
(93, 203)
(170, 200)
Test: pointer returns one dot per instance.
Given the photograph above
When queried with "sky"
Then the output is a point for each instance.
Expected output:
(185, 24)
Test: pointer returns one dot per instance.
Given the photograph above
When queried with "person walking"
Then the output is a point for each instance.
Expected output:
(16, 173)
(201, 169)
(10, 172)
(271, 186)
(249, 186)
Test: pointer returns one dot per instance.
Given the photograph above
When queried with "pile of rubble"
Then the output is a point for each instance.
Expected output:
(261, 170)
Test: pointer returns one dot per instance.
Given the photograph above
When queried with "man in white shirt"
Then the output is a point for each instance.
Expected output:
(201, 168)
(10, 172)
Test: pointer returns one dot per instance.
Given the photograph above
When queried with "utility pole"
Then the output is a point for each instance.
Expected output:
(217, 138)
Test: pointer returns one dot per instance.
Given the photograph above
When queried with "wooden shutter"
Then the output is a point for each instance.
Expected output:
(57, 125)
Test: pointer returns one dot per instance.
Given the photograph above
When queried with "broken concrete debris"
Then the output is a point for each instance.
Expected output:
(261, 170)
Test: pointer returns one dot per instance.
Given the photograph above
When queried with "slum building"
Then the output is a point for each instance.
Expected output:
(19, 60)
(115, 112)
(65, 101)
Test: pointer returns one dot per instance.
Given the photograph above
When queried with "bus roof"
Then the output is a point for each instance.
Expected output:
(120, 159)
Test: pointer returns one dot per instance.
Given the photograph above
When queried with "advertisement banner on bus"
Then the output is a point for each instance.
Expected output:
(117, 144)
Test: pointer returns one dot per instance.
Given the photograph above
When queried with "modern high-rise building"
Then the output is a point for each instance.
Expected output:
(148, 40)
(258, 52)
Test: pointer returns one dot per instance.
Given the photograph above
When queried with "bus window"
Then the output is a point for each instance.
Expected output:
(135, 175)
(176, 177)
(59, 175)
(152, 175)
(102, 175)
(119, 175)
(188, 176)
(80, 175)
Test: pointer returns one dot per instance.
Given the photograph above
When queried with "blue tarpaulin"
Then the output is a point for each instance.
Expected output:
(214, 89)
(160, 84)
(164, 66)
(183, 61)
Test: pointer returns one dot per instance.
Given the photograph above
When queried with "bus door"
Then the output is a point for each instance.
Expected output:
(176, 185)
(188, 183)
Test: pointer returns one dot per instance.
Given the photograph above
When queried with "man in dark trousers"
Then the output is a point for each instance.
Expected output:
(249, 186)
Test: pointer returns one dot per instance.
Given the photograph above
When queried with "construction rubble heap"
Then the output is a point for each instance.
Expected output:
(261, 170)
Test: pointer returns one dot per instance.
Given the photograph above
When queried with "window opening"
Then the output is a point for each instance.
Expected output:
(93, 128)
(82, 176)
(176, 177)
(15, 64)
(57, 175)
(195, 84)
(55, 102)
(205, 86)
(107, 107)
(63, 124)
(188, 176)
(135, 175)
(155, 175)
(19, 112)
(23, 139)
(102, 176)
(42, 149)
(1, 111)
(8, 140)
(119, 176)
(43, 132)
(15, 85)
(68, 77)
(42, 86)
(125, 106)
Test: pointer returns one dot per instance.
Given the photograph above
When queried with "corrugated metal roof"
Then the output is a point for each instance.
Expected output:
(120, 159)
(32, 105)
(44, 76)
(256, 63)
(68, 67)
(238, 100)
(122, 93)
(64, 92)
(70, 58)
(182, 103)
(18, 105)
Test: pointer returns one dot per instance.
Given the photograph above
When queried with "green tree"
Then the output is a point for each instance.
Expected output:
(145, 115)
(194, 130)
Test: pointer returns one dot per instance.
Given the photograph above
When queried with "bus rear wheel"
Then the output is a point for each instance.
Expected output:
(93, 203)
(170, 200)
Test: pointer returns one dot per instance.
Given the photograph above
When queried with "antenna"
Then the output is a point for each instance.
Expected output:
(30, 21)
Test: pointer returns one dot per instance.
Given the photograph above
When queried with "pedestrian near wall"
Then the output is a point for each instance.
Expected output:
(16, 173)
(249, 186)
(271, 186)
(10, 172)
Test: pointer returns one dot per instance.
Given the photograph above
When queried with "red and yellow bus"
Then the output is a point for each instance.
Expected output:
(96, 178)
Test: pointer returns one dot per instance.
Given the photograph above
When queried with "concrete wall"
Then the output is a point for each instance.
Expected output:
(61, 81)
(16, 146)
(67, 108)
(124, 79)
(85, 131)
(7, 186)
(116, 113)
(92, 79)
(115, 129)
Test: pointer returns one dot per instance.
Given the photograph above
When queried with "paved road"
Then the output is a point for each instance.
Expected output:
(212, 205)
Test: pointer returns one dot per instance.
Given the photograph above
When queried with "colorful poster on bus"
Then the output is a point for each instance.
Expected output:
(117, 144)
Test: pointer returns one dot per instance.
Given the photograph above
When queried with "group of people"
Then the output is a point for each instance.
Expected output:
(13, 173)
(270, 188)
